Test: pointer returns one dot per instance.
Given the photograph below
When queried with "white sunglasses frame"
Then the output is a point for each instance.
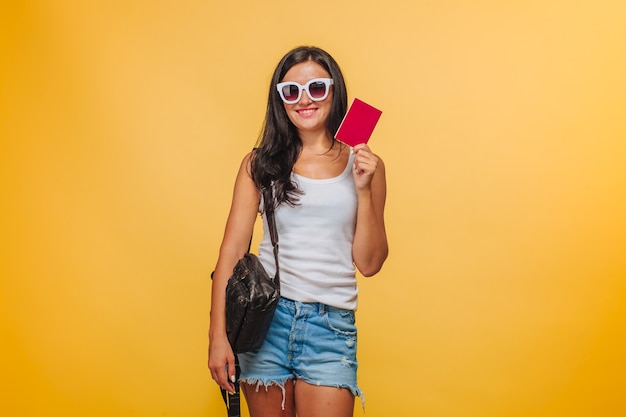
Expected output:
(327, 82)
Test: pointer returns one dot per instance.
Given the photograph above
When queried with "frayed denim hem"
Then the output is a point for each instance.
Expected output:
(262, 383)
(258, 383)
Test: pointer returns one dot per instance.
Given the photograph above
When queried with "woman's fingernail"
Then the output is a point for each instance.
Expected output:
(233, 379)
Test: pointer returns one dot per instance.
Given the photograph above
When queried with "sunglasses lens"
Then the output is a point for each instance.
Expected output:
(290, 92)
(317, 89)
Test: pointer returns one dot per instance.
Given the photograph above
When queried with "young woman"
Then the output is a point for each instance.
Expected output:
(329, 204)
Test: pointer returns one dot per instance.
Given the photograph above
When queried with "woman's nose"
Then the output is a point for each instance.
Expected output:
(305, 96)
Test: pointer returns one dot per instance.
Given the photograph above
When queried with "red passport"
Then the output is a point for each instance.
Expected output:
(358, 123)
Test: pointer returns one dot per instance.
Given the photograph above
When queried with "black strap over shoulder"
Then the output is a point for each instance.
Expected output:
(271, 223)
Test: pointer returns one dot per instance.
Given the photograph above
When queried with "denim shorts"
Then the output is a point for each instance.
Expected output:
(312, 342)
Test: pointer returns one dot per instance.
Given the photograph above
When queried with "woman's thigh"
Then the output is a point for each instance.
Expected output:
(320, 401)
(305, 399)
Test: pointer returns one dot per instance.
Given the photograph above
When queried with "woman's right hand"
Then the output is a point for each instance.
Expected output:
(222, 363)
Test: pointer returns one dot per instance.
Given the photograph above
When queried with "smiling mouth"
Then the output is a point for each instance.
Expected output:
(306, 112)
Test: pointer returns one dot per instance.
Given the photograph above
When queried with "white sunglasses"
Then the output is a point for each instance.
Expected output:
(317, 89)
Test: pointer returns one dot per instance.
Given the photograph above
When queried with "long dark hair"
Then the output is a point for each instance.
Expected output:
(279, 144)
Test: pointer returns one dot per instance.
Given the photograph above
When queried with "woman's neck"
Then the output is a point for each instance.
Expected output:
(315, 141)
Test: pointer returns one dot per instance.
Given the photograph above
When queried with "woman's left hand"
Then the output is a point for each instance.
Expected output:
(365, 164)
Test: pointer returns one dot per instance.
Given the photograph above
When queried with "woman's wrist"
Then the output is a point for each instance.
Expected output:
(215, 334)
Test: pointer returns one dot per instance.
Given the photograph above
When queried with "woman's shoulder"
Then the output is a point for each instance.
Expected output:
(247, 158)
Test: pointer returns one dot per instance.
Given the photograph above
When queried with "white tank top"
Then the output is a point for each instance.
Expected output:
(315, 242)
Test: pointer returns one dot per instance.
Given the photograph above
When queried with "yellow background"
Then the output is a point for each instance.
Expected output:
(122, 124)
